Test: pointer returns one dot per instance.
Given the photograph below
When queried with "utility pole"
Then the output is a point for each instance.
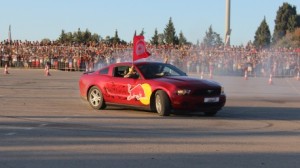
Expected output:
(227, 24)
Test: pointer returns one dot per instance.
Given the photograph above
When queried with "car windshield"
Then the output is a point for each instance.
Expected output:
(158, 70)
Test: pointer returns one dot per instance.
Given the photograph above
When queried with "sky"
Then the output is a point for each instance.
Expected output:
(35, 20)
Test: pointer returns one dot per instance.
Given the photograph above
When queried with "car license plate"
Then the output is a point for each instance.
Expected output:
(211, 99)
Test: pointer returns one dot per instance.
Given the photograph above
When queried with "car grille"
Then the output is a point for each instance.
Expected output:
(206, 92)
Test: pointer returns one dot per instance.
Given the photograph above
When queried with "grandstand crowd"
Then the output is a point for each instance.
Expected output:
(281, 62)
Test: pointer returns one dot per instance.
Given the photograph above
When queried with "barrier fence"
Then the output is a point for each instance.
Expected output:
(221, 62)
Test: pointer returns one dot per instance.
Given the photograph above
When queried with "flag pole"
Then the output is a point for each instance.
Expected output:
(133, 49)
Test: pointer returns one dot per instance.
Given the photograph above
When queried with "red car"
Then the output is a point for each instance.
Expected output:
(153, 86)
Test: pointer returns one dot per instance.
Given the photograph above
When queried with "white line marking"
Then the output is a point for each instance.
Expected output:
(11, 133)
(42, 125)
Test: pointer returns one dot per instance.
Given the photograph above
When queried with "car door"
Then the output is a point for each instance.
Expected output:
(122, 90)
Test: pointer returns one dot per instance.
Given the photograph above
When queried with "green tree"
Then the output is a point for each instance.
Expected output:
(142, 32)
(78, 36)
(262, 35)
(292, 23)
(154, 40)
(170, 33)
(63, 37)
(212, 39)
(182, 40)
(95, 38)
(286, 19)
(70, 38)
(198, 43)
(46, 41)
(116, 39)
(290, 40)
(87, 36)
(161, 39)
(298, 20)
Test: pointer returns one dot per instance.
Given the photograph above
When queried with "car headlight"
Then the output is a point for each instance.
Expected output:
(183, 92)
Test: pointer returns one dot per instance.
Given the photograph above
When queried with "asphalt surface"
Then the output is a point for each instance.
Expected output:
(44, 123)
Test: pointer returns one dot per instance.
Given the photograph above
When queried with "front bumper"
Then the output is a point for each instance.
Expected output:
(197, 103)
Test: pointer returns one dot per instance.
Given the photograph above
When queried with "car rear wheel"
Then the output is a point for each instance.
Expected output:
(95, 98)
(162, 103)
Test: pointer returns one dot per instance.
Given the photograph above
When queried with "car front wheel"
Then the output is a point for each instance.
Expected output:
(162, 103)
(95, 98)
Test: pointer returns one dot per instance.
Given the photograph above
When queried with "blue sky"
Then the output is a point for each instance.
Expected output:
(37, 19)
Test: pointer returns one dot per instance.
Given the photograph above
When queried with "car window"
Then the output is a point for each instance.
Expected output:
(104, 71)
(150, 71)
(120, 71)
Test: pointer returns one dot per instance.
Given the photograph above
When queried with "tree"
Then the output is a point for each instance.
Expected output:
(116, 38)
(212, 39)
(292, 23)
(198, 43)
(95, 38)
(161, 38)
(87, 36)
(154, 40)
(46, 41)
(63, 37)
(182, 40)
(298, 20)
(142, 32)
(290, 40)
(262, 35)
(70, 38)
(170, 33)
(78, 36)
(286, 19)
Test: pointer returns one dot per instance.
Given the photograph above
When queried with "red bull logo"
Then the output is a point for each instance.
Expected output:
(136, 92)
(141, 92)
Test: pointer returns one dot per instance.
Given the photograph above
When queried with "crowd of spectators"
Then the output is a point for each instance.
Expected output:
(190, 58)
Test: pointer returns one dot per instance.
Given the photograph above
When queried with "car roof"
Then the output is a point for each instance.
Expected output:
(136, 63)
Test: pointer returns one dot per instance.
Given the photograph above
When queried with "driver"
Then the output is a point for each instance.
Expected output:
(131, 73)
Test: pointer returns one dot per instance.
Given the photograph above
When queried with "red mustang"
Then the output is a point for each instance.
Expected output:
(153, 86)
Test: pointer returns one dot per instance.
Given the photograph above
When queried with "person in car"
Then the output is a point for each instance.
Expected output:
(131, 73)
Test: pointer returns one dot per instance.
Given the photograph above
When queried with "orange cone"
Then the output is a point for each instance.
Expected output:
(246, 75)
(47, 73)
(5, 69)
(270, 80)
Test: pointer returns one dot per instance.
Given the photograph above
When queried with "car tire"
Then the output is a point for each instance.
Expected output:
(162, 103)
(96, 99)
(210, 113)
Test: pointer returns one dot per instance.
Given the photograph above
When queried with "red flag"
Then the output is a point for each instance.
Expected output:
(139, 48)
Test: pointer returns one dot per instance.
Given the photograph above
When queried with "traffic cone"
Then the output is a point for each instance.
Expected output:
(47, 73)
(246, 75)
(5, 69)
(270, 80)
(298, 78)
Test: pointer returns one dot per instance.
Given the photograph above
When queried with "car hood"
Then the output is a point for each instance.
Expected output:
(188, 81)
